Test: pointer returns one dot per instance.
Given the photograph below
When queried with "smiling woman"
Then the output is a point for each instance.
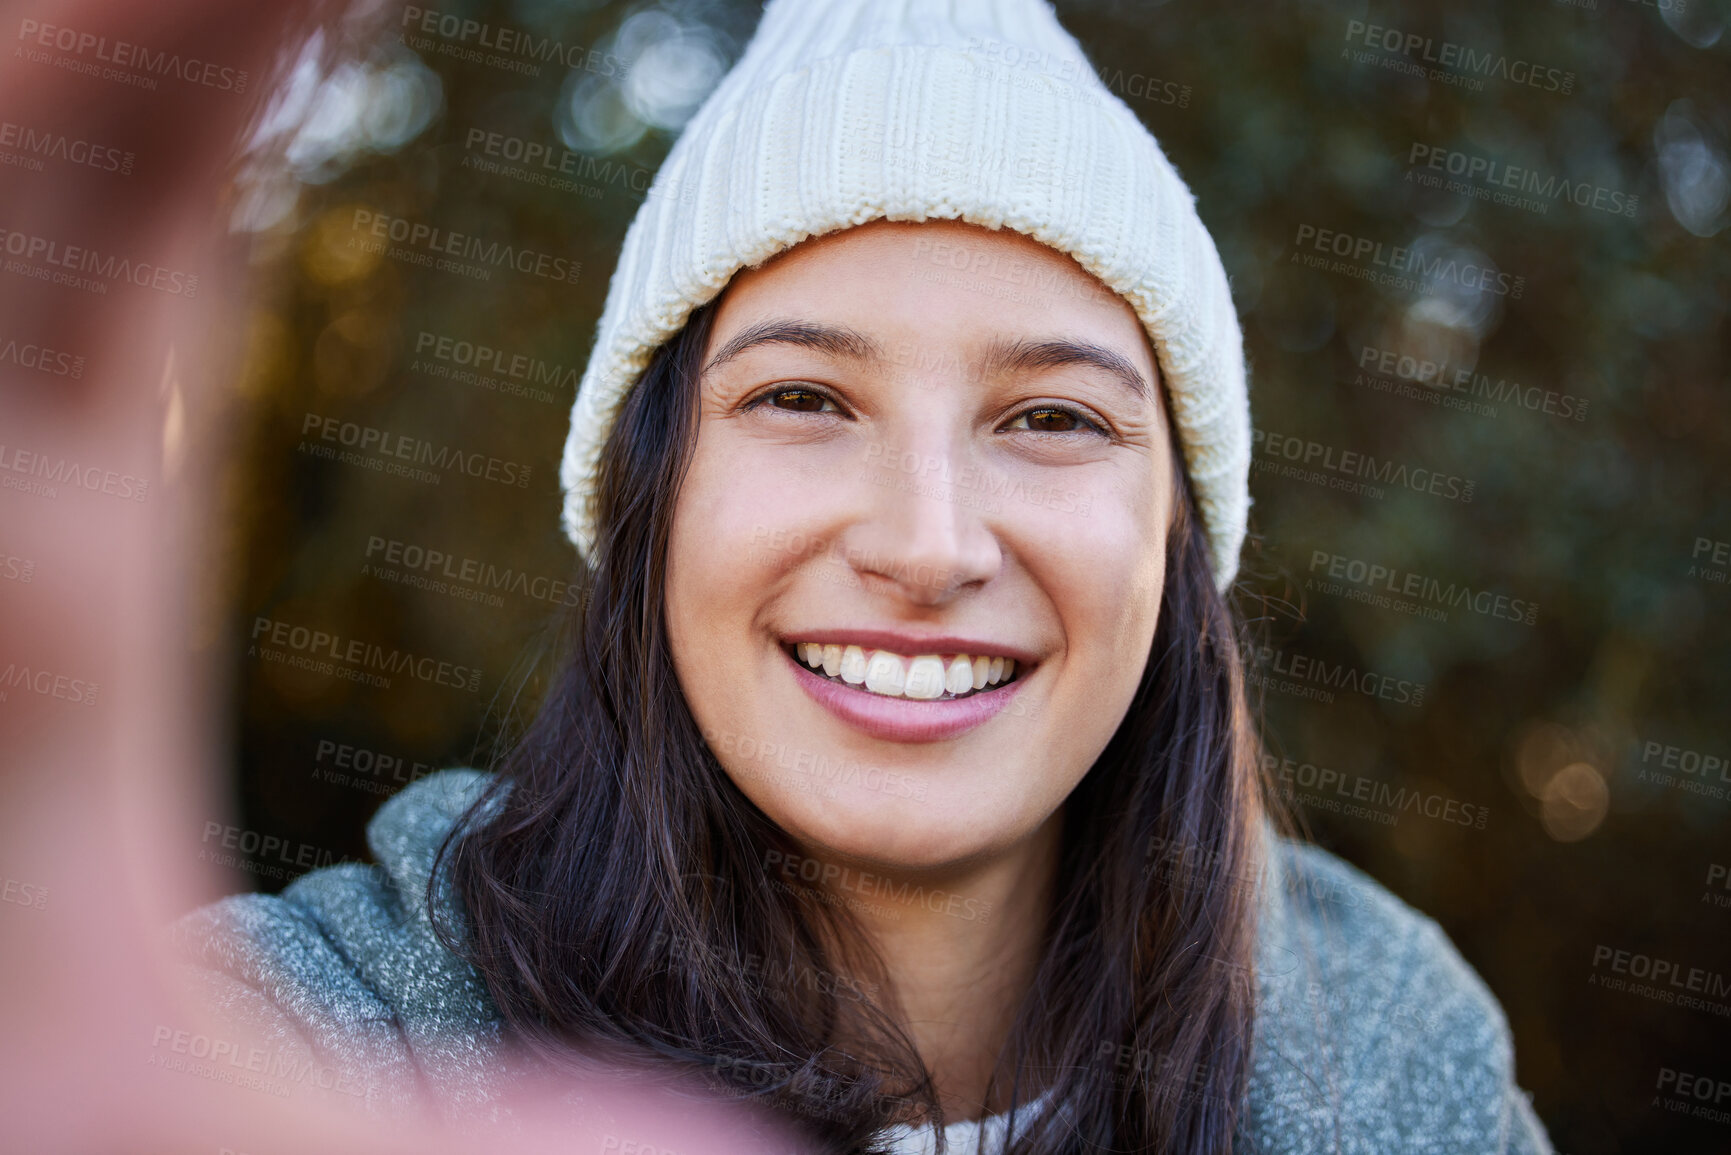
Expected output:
(841, 466)
(898, 773)
(928, 614)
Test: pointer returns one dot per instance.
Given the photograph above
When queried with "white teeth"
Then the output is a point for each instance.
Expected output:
(959, 678)
(886, 673)
(926, 677)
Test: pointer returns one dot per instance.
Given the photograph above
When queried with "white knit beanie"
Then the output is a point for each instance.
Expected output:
(986, 111)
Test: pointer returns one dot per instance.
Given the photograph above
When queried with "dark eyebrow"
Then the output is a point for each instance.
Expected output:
(1027, 356)
(1002, 357)
(835, 340)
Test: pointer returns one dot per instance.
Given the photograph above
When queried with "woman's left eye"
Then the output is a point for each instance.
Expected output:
(1054, 419)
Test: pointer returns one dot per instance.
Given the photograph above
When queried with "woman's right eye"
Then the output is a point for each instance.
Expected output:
(796, 399)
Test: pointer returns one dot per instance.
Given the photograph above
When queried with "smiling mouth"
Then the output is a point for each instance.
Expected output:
(919, 677)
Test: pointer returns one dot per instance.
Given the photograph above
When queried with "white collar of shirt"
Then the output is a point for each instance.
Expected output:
(967, 1137)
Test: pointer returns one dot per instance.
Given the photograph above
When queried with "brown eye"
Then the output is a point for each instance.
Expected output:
(1054, 419)
(1050, 421)
(798, 400)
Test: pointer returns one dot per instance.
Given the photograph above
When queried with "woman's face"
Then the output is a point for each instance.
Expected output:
(946, 444)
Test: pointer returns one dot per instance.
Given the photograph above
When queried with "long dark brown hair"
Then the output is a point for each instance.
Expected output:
(615, 898)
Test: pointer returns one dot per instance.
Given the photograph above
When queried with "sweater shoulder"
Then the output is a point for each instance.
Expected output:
(344, 961)
(1327, 922)
(1373, 1032)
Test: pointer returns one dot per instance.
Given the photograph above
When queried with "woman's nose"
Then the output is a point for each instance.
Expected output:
(929, 525)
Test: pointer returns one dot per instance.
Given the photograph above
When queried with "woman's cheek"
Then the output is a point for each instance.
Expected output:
(745, 501)
(1106, 587)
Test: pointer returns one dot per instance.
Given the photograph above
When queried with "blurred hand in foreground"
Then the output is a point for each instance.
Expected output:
(115, 407)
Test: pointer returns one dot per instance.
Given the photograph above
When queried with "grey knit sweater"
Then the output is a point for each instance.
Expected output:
(1373, 1035)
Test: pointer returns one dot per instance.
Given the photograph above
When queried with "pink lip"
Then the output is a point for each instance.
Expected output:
(903, 719)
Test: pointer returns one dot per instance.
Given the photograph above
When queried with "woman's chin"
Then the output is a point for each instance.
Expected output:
(871, 831)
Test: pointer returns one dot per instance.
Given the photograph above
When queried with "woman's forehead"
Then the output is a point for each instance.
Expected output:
(933, 290)
(950, 246)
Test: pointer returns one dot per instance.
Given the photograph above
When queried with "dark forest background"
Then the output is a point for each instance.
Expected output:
(1569, 742)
